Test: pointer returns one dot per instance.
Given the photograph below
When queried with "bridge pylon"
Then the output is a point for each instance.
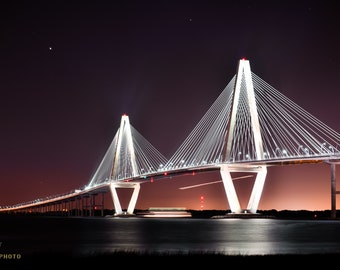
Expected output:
(124, 143)
(234, 204)
(116, 201)
(129, 158)
(244, 89)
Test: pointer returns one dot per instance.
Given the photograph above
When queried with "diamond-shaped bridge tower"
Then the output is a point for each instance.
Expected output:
(243, 91)
(129, 157)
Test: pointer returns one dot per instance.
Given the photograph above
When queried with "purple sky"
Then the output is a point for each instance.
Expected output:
(70, 69)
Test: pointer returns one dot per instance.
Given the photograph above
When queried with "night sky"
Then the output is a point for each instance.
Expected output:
(69, 70)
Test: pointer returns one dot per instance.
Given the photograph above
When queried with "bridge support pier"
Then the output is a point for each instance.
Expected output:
(115, 198)
(333, 191)
(229, 187)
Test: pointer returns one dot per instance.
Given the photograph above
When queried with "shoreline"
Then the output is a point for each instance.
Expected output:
(214, 214)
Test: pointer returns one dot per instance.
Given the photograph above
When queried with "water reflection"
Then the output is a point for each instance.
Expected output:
(88, 236)
(223, 236)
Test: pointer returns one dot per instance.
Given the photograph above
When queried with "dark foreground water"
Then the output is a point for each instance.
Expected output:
(30, 238)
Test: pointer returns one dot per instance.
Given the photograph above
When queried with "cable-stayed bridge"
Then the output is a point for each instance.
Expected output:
(249, 127)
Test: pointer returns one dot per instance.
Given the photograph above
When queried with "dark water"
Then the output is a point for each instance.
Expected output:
(81, 236)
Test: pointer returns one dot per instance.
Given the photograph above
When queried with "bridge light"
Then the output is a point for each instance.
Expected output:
(165, 173)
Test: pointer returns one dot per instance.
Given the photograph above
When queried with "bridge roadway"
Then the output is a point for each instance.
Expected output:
(105, 187)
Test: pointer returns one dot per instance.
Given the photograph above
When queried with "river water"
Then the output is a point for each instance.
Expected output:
(29, 236)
